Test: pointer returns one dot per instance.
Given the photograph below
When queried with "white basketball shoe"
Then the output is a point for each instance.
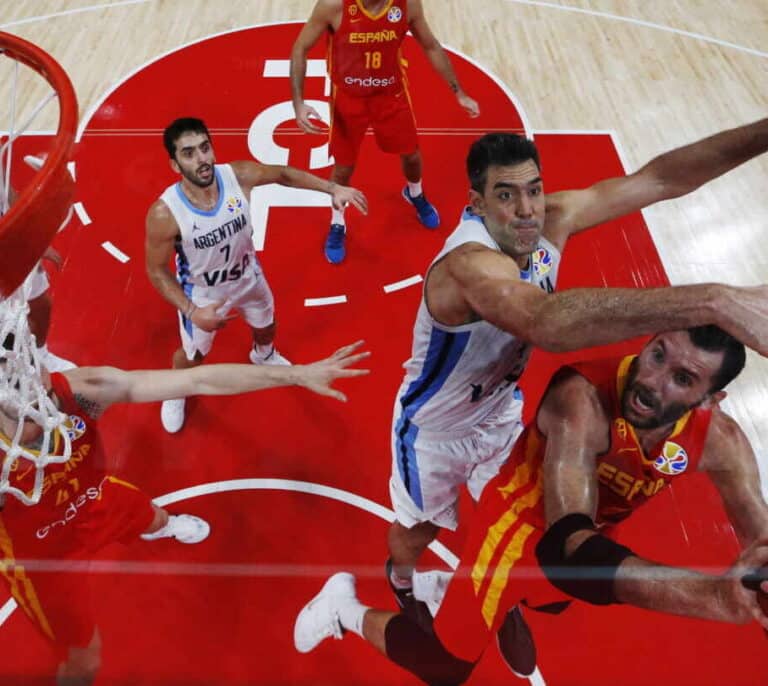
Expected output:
(319, 619)
(272, 358)
(184, 528)
(172, 415)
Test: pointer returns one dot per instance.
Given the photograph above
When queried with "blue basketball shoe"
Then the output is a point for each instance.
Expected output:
(425, 210)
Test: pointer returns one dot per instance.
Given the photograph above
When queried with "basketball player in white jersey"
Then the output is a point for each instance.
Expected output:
(205, 218)
(488, 298)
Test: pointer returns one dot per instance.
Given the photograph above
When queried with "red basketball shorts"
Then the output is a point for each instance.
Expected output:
(498, 567)
(56, 599)
(390, 116)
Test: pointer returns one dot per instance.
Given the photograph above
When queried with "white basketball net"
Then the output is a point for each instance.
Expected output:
(24, 398)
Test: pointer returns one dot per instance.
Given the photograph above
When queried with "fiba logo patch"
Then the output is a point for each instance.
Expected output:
(234, 204)
(673, 459)
(74, 426)
(395, 14)
(542, 262)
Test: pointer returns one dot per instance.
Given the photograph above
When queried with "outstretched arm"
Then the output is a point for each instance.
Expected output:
(585, 317)
(586, 564)
(667, 176)
(250, 174)
(437, 55)
(320, 21)
(100, 387)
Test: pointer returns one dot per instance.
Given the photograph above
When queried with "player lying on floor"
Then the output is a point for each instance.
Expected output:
(608, 436)
(83, 507)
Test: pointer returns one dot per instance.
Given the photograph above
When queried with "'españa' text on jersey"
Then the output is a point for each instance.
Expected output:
(364, 52)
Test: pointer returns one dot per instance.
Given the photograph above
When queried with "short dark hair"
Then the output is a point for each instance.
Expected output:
(179, 127)
(713, 339)
(500, 149)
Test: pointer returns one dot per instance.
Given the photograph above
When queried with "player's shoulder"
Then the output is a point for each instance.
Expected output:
(724, 430)
(328, 9)
(160, 219)
(475, 257)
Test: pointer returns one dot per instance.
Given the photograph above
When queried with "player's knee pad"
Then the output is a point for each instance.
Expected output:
(421, 653)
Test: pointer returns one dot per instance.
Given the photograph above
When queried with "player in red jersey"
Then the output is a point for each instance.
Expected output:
(607, 436)
(83, 507)
(370, 87)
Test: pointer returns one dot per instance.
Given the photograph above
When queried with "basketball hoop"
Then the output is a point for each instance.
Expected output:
(29, 225)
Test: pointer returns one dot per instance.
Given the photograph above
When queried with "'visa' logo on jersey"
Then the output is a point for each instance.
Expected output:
(233, 273)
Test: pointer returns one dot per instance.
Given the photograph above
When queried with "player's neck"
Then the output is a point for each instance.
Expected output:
(203, 198)
(374, 6)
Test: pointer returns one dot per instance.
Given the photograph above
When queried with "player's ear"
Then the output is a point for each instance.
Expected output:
(714, 399)
(476, 202)
(175, 165)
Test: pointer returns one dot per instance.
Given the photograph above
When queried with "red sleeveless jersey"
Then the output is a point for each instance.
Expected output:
(364, 53)
(74, 512)
(628, 477)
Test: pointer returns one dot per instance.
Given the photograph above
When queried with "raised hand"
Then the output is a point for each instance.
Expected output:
(320, 375)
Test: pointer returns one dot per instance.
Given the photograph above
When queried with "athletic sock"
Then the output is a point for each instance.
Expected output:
(400, 582)
(337, 216)
(414, 189)
(351, 615)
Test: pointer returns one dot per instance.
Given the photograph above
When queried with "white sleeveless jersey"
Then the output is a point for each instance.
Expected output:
(460, 376)
(214, 247)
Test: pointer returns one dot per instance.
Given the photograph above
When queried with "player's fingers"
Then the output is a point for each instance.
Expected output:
(360, 206)
(353, 372)
(338, 395)
(360, 202)
(347, 349)
(354, 359)
(306, 126)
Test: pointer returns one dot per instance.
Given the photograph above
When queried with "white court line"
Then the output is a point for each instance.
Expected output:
(118, 254)
(646, 24)
(81, 213)
(7, 610)
(405, 283)
(298, 487)
(71, 169)
(319, 302)
(90, 8)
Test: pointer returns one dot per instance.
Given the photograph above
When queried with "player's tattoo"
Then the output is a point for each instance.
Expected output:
(89, 406)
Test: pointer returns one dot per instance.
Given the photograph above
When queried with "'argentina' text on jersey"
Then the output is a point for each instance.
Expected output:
(221, 233)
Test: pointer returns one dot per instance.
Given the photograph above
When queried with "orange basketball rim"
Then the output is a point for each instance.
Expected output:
(42, 205)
